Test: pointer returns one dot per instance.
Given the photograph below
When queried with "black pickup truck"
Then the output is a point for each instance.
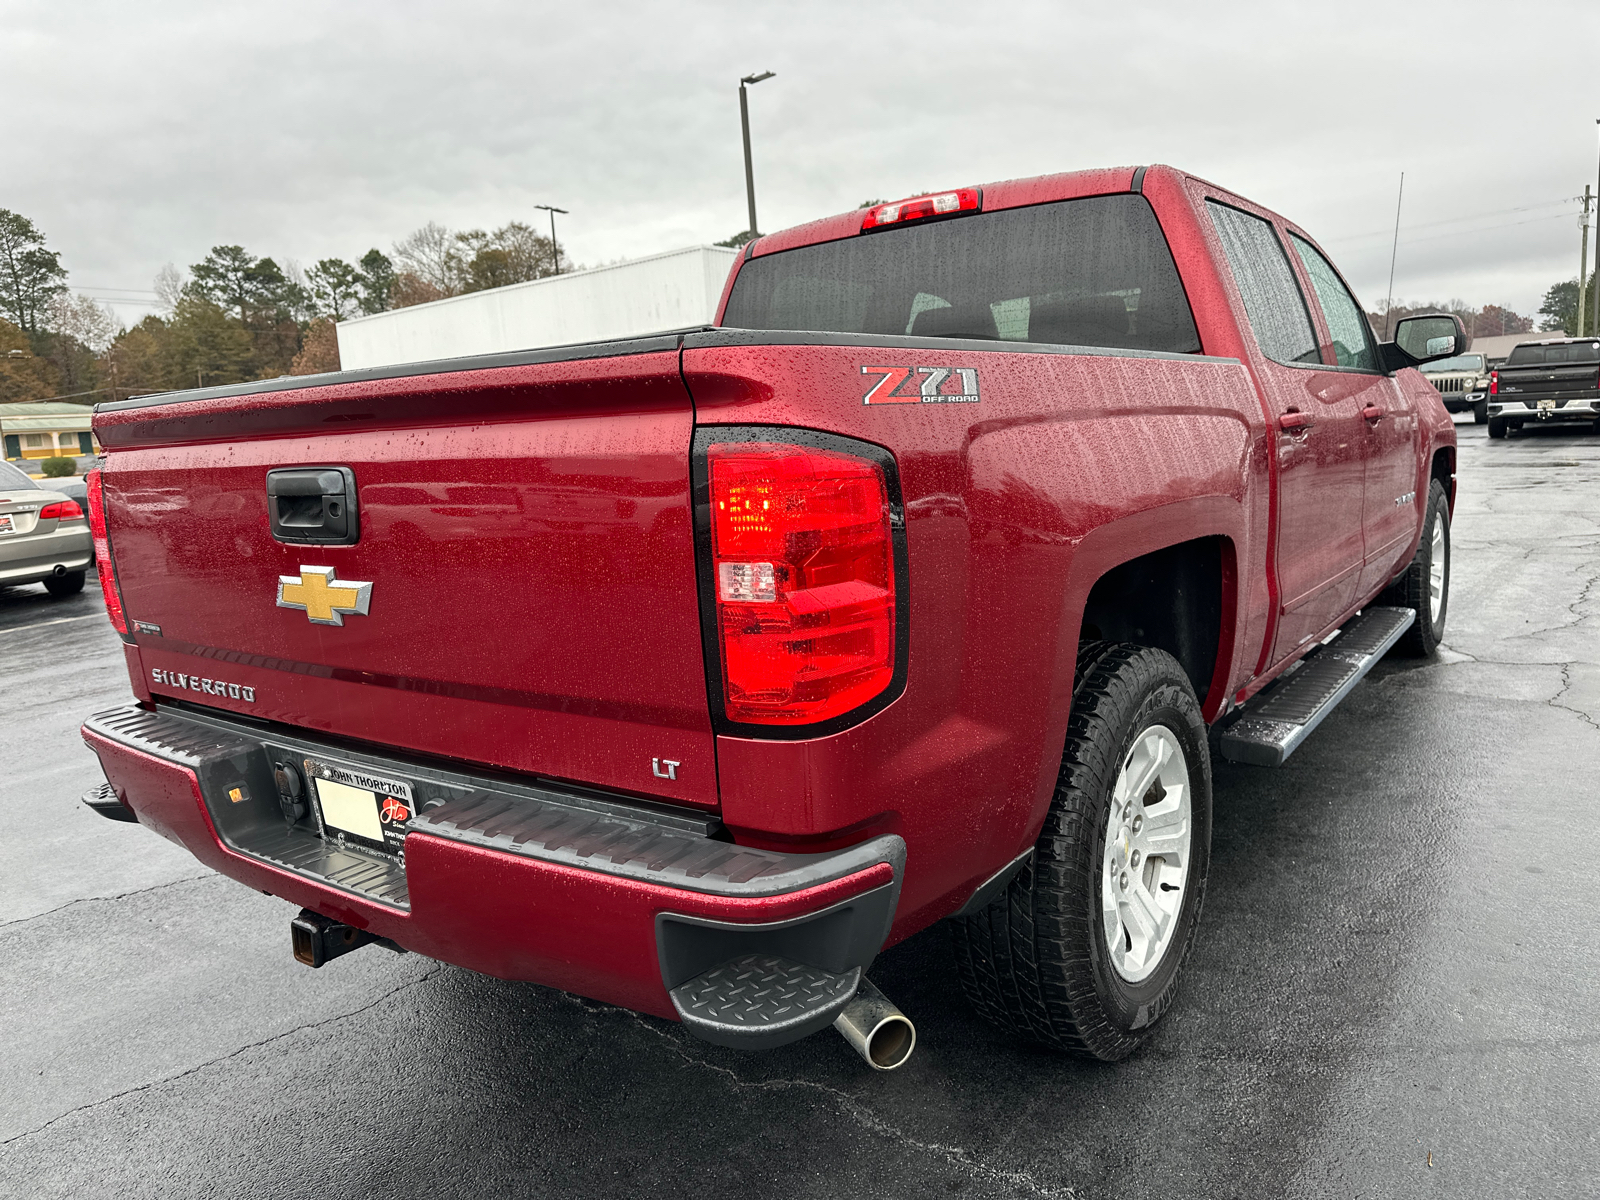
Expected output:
(1553, 380)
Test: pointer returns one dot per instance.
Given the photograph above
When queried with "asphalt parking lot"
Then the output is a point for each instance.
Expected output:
(1395, 993)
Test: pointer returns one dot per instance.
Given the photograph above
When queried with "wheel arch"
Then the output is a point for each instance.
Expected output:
(1443, 468)
(1133, 580)
(1170, 599)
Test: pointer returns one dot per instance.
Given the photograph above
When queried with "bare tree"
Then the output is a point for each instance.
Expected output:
(86, 322)
(432, 256)
(169, 289)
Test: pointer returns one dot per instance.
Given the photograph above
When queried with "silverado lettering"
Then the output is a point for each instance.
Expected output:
(211, 687)
(893, 656)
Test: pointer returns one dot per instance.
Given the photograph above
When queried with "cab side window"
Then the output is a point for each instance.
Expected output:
(1272, 298)
(1347, 324)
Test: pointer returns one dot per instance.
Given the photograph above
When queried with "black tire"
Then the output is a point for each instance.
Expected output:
(1411, 589)
(1497, 427)
(1036, 961)
(1480, 412)
(69, 584)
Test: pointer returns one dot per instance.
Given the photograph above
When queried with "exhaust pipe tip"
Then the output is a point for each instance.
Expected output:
(877, 1030)
(58, 571)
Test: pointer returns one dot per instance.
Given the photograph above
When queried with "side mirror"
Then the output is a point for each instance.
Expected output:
(1423, 339)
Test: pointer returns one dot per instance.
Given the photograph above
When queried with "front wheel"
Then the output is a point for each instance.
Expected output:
(1480, 412)
(1424, 588)
(1083, 950)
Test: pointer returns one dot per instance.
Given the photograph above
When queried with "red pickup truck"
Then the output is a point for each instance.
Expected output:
(687, 673)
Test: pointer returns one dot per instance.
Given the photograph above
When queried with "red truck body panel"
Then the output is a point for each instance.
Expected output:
(528, 532)
(1014, 508)
(529, 529)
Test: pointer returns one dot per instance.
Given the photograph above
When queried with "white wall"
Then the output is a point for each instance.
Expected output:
(644, 295)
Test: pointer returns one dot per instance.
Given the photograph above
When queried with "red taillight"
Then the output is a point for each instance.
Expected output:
(102, 554)
(1494, 383)
(61, 510)
(803, 576)
(942, 204)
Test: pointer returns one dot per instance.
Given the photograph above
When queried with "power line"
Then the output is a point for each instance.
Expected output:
(1469, 217)
(1489, 228)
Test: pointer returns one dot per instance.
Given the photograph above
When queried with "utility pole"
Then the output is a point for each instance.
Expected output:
(1583, 261)
(555, 251)
(744, 125)
(1596, 248)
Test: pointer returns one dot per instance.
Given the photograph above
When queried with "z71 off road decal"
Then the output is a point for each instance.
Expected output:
(922, 385)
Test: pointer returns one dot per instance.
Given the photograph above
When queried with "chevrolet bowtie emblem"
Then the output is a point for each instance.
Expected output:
(325, 599)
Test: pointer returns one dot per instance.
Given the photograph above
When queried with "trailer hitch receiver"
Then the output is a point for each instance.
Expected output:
(317, 938)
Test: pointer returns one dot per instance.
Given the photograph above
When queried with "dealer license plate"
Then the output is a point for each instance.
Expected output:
(5, 523)
(353, 804)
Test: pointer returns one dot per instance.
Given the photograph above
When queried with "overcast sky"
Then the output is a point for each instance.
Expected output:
(140, 134)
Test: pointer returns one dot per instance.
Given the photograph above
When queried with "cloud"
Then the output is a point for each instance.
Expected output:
(143, 134)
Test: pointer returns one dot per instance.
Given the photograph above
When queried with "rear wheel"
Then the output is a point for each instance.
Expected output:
(1083, 950)
(1424, 588)
(69, 584)
(1497, 427)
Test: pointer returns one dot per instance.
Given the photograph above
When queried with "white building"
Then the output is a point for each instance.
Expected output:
(644, 295)
(45, 429)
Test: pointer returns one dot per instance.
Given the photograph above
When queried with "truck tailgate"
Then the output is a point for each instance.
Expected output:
(525, 531)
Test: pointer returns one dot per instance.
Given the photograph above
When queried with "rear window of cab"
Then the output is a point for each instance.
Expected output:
(1089, 272)
(1553, 356)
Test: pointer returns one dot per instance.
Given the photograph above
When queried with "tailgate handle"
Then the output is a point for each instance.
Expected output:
(313, 506)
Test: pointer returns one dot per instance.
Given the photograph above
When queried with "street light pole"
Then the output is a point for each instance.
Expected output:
(555, 251)
(744, 125)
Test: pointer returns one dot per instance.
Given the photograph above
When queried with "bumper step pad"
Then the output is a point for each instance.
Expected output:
(105, 801)
(1273, 724)
(757, 1001)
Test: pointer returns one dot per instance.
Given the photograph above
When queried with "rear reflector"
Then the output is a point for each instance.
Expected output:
(942, 204)
(61, 510)
(803, 575)
(102, 555)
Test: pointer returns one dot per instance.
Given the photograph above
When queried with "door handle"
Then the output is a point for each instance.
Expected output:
(1293, 421)
(1373, 412)
(313, 506)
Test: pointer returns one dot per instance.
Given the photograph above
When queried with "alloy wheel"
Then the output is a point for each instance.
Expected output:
(1146, 865)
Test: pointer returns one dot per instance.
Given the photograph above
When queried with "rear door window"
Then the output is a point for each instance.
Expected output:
(1271, 296)
(1347, 324)
(1089, 272)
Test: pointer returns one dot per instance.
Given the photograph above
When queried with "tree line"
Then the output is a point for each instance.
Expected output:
(233, 317)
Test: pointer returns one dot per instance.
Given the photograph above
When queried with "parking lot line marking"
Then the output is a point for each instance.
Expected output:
(57, 621)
